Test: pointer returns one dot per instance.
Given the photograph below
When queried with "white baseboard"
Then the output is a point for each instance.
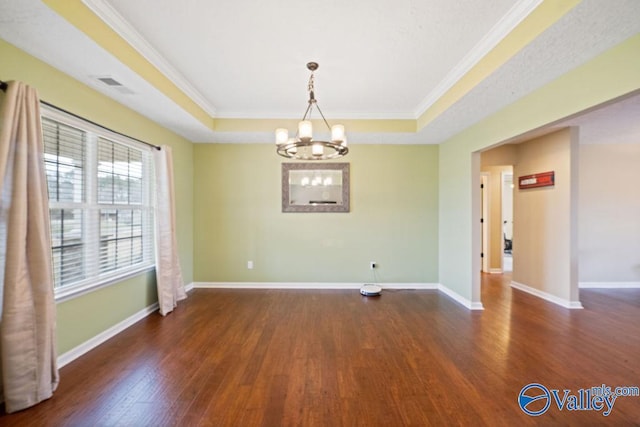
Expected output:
(90, 344)
(307, 285)
(319, 285)
(495, 271)
(417, 286)
(547, 296)
(609, 285)
(95, 341)
(460, 299)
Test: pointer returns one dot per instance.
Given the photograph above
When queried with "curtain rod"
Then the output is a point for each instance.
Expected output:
(4, 86)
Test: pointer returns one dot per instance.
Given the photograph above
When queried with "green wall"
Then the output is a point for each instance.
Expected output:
(84, 317)
(612, 74)
(393, 218)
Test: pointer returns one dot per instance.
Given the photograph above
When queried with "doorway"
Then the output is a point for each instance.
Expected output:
(507, 221)
(484, 219)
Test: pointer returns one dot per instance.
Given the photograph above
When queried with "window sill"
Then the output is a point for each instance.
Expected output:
(71, 292)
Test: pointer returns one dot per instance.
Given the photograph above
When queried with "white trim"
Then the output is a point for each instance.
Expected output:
(460, 299)
(318, 285)
(90, 344)
(514, 16)
(307, 285)
(609, 285)
(547, 296)
(188, 287)
(495, 271)
(103, 336)
(117, 23)
(66, 293)
(503, 174)
(295, 115)
(417, 286)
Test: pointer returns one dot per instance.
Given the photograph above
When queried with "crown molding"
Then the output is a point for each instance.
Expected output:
(515, 16)
(368, 138)
(117, 23)
(335, 115)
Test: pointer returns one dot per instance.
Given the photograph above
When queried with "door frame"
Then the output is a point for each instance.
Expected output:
(502, 219)
(485, 218)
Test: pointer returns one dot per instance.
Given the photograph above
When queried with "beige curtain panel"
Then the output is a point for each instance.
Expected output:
(28, 368)
(169, 280)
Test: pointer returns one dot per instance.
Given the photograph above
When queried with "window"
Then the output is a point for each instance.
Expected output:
(100, 203)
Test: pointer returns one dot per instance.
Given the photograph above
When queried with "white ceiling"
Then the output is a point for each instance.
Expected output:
(380, 59)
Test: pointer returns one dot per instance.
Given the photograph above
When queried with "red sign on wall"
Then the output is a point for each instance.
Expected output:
(544, 179)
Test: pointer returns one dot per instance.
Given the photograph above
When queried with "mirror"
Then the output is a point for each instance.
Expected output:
(315, 187)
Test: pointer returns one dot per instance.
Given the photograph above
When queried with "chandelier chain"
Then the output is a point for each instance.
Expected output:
(310, 87)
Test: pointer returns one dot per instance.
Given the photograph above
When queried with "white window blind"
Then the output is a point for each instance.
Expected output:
(100, 201)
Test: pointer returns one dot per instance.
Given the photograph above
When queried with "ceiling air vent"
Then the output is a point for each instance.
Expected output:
(109, 81)
(114, 84)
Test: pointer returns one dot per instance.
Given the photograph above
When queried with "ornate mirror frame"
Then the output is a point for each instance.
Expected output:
(321, 205)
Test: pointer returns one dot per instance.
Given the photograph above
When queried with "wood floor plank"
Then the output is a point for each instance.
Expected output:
(334, 358)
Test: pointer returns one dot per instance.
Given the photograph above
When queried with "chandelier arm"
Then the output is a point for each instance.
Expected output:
(325, 120)
(308, 111)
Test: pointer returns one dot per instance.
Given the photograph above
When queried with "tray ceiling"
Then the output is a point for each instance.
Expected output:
(229, 70)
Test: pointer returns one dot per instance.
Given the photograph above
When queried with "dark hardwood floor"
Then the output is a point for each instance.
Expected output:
(331, 358)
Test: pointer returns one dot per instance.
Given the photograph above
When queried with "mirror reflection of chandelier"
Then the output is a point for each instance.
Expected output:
(303, 146)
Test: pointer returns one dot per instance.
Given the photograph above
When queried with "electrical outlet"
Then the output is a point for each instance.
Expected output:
(250, 265)
(373, 265)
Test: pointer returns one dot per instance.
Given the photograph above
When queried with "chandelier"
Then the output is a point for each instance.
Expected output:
(303, 146)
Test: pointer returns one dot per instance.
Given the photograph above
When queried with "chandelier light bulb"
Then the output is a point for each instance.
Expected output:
(305, 130)
(337, 133)
(282, 136)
